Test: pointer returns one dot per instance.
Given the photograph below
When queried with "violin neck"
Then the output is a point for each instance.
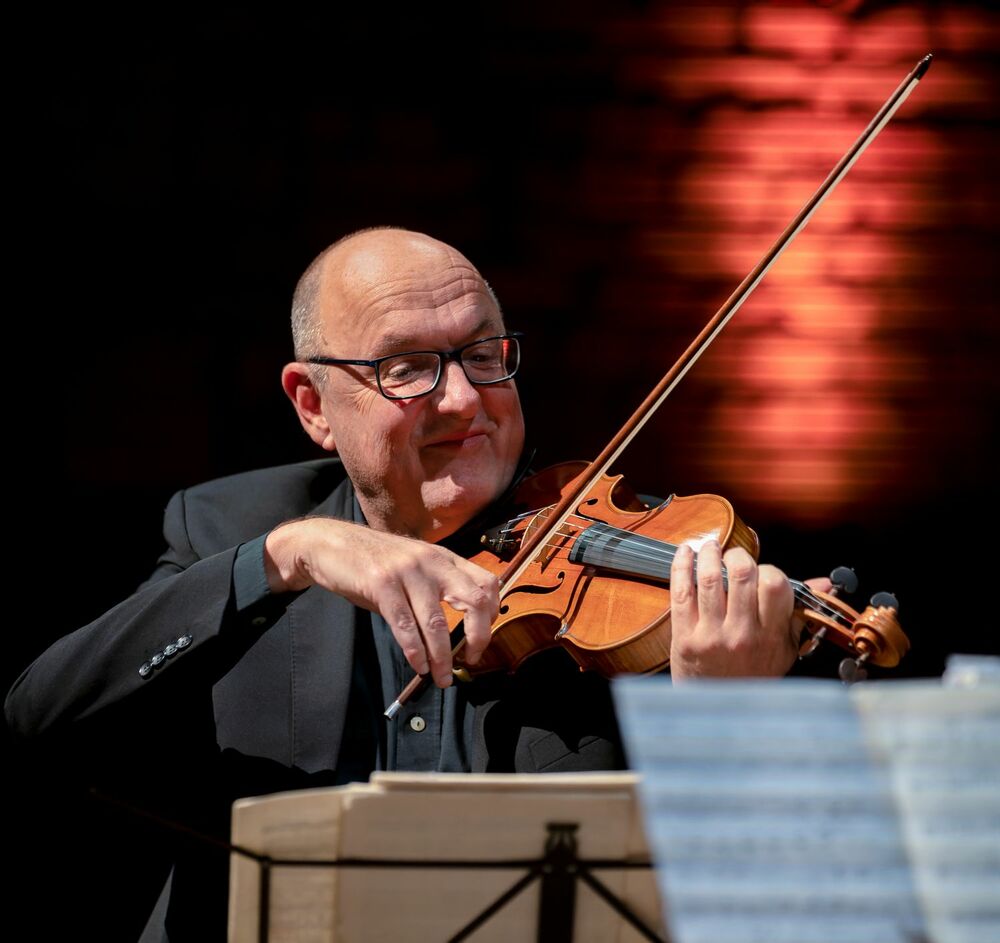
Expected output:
(615, 550)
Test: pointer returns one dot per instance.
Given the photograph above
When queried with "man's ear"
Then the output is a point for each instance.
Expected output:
(308, 403)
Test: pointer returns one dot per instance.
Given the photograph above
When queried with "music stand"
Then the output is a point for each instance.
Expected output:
(435, 857)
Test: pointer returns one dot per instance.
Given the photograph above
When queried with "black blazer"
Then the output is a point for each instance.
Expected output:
(251, 703)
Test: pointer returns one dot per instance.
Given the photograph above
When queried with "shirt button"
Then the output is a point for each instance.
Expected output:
(258, 621)
(417, 723)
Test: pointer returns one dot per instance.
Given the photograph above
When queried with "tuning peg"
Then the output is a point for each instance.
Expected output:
(844, 580)
(852, 669)
(886, 600)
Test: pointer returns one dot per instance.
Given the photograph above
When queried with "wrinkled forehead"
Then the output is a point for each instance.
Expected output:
(394, 286)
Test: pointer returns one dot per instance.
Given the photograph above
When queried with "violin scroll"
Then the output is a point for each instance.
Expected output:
(874, 635)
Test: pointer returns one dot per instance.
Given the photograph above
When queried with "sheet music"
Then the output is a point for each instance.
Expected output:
(941, 746)
(800, 810)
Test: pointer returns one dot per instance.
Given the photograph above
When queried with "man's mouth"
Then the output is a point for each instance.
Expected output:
(457, 440)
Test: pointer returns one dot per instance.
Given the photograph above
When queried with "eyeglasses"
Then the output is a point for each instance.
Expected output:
(418, 372)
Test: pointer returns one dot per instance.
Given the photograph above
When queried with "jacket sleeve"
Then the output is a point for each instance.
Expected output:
(179, 628)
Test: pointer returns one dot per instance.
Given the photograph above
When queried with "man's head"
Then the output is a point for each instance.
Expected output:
(421, 466)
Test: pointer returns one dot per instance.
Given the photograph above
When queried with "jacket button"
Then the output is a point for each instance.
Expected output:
(417, 723)
(170, 649)
(258, 621)
(156, 659)
(146, 670)
(184, 641)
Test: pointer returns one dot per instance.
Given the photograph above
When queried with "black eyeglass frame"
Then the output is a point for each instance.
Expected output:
(443, 356)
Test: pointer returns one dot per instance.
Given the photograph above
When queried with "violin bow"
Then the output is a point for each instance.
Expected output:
(600, 465)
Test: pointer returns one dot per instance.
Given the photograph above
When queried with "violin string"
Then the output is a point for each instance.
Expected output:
(800, 592)
(582, 518)
(643, 550)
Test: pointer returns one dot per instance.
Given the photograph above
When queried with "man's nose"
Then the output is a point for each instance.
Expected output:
(458, 395)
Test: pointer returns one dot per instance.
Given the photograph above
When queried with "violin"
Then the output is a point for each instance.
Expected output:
(586, 565)
(600, 586)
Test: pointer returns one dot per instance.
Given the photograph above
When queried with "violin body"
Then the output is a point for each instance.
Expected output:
(599, 585)
(609, 621)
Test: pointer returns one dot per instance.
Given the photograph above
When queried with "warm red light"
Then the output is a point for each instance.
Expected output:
(803, 412)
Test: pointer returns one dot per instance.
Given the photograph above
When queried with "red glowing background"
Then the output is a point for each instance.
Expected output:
(832, 387)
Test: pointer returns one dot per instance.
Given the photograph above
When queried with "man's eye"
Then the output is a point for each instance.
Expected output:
(399, 370)
(482, 356)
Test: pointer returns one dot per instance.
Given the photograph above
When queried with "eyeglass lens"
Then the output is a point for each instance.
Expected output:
(490, 361)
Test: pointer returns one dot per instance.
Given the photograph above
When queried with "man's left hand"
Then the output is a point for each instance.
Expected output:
(745, 631)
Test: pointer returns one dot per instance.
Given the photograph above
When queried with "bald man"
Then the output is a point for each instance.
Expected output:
(425, 468)
(293, 603)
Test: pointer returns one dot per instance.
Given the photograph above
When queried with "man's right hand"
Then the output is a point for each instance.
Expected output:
(404, 580)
